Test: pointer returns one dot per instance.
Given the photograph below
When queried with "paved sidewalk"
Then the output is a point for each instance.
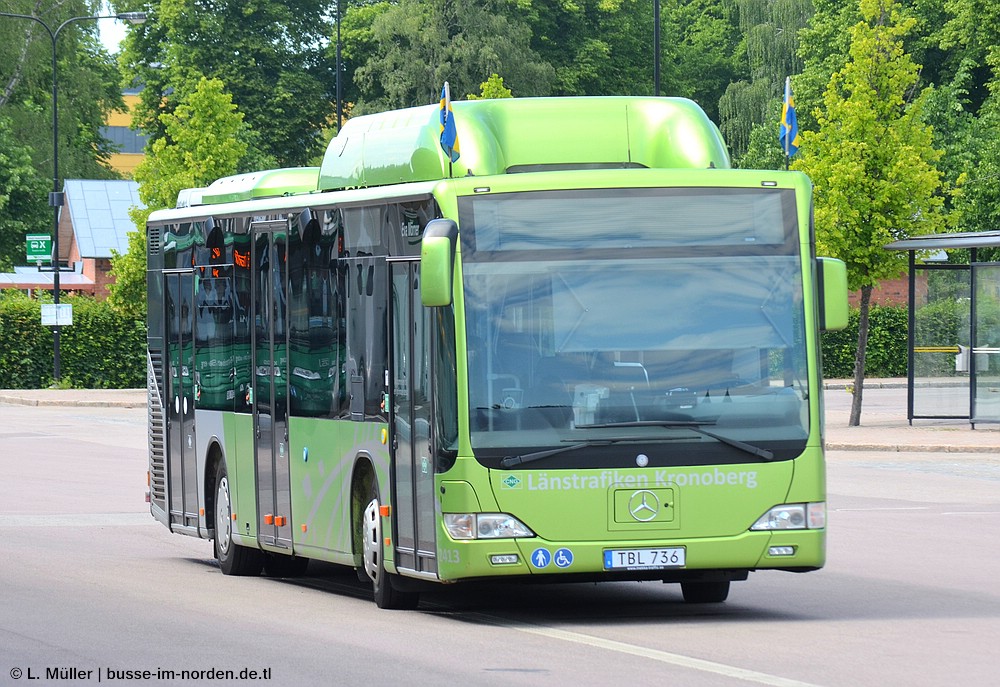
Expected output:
(884, 426)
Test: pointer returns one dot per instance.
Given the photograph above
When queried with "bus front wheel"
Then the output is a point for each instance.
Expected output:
(233, 558)
(386, 595)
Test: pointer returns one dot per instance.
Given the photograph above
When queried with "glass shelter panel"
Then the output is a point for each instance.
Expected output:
(986, 347)
(941, 342)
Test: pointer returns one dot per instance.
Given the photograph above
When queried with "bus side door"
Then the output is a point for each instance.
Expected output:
(412, 466)
(182, 462)
(270, 383)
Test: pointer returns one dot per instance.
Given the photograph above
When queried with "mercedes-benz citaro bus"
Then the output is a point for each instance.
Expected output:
(585, 350)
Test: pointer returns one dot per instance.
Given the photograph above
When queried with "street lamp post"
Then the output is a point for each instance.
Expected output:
(340, 114)
(656, 47)
(56, 196)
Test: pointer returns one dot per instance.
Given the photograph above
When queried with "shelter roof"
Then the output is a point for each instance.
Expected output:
(973, 239)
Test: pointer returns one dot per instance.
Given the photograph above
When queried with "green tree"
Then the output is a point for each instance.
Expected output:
(872, 162)
(204, 139)
(87, 80)
(824, 46)
(596, 47)
(420, 44)
(701, 57)
(768, 53)
(972, 37)
(20, 189)
(88, 88)
(977, 200)
(271, 54)
(764, 150)
(491, 89)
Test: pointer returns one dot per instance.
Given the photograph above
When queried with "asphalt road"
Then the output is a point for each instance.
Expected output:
(91, 587)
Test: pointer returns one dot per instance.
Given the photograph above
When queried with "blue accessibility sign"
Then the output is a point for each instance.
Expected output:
(540, 558)
(563, 558)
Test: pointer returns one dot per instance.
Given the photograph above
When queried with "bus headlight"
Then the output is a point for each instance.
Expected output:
(485, 526)
(793, 516)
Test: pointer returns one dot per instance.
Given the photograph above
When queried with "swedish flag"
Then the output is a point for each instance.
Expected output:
(449, 135)
(788, 132)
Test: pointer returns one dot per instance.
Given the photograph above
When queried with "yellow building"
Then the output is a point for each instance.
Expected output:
(131, 143)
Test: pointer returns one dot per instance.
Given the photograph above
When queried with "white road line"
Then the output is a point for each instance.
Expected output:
(653, 654)
(972, 512)
(76, 520)
(865, 510)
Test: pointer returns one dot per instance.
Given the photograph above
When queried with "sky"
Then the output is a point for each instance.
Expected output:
(112, 33)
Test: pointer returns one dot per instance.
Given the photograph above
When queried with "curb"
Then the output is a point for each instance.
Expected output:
(909, 448)
(848, 384)
(79, 403)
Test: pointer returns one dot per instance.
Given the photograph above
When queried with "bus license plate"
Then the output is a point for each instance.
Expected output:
(644, 559)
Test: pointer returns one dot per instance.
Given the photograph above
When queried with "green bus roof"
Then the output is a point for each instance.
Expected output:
(523, 134)
(266, 184)
(500, 136)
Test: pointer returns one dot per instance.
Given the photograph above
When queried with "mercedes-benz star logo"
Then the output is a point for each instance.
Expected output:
(643, 505)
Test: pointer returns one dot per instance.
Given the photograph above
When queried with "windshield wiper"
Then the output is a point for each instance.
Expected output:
(511, 461)
(693, 425)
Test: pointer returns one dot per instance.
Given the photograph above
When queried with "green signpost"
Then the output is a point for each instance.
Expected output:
(38, 248)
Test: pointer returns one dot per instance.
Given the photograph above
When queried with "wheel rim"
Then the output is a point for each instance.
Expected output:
(223, 519)
(371, 534)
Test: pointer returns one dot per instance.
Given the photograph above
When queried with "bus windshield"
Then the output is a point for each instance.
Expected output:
(643, 313)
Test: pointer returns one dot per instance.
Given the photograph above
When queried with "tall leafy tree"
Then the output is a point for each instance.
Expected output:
(768, 52)
(271, 54)
(824, 46)
(203, 140)
(420, 44)
(20, 188)
(977, 200)
(358, 43)
(87, 88)
(971, 35)
(491, 89)
(872, 162)
(701, 56)
(596, 47)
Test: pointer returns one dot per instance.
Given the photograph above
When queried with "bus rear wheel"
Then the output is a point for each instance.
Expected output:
(386, 594)
(705, 592)
(233, 558)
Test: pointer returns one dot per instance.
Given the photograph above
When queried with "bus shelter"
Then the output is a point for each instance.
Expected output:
(953, 335)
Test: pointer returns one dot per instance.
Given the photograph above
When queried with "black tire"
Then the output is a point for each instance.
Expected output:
(705, 592)
(280, 565)
(387, 595)
(233, 558)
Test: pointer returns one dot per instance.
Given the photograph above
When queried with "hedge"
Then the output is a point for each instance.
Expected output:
(886, 355)
(100, 350)
(104, 350)
(944, 322)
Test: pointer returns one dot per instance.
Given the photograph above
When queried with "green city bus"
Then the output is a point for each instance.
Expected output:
(585, 350)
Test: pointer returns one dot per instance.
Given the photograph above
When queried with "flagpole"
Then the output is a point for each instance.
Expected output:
(784, 122)
(447, 88)
(448, 137)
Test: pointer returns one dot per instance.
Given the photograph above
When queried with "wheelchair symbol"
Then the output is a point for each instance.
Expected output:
(563, 558)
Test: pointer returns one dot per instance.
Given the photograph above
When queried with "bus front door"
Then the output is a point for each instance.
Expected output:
(182, 462)
(412, 461)
(270, 384)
